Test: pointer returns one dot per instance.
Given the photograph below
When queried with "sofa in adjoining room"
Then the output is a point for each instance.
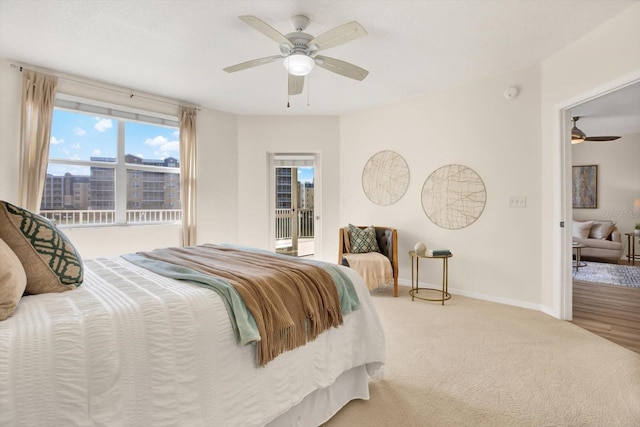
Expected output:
(602, 238)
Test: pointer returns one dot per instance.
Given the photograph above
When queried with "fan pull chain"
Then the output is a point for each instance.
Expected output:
(288, 95)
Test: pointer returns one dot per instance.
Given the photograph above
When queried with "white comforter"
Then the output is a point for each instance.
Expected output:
(131, 348)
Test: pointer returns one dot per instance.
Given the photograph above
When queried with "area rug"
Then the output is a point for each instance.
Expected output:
(614, 274)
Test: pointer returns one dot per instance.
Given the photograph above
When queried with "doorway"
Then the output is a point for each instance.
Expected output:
(604, 291)
(293, 198)
(563, 274)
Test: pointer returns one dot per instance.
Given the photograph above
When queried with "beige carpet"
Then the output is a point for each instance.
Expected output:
(477, 363)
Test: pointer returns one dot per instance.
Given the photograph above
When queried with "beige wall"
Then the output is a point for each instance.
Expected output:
(610, 49)
(260, 135)
(498, 256)
(618, 179)
(10, 87)
(217, 177)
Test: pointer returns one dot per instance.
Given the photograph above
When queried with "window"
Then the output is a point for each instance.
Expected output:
(109, 165)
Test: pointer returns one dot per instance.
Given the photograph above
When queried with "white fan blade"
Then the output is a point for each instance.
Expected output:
(296, 84)
(251, 64)
(341, 67)
(266, 29)
(337, 36)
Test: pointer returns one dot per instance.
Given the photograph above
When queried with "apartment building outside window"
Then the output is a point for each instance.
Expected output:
(108, 165)
(284, 185)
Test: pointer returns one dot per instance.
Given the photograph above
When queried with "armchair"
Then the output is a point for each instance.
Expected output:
(387, 239)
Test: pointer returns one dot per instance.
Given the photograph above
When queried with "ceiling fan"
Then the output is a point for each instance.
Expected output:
(299, 50)
(577, 136)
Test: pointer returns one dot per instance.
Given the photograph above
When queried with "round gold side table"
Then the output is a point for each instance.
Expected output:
(415, 289)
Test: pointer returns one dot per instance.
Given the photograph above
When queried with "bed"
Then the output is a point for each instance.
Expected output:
(130, 347)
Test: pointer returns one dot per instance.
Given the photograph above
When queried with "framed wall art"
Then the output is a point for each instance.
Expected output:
(454, 196)
(385, 178)
(584, 187)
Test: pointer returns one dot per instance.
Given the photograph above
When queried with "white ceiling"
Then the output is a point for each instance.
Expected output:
(616, 113)
(177, 49)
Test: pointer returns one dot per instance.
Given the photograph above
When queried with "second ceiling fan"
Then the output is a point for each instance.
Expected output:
(578, 136)
(299, 50)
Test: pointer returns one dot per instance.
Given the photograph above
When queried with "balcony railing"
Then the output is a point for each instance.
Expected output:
(284, 222)
(105, 217)
(305, 223)
(153, 215)
(73, 217)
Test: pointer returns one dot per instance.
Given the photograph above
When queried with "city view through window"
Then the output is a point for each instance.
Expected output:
(106, 170)
(294, 217)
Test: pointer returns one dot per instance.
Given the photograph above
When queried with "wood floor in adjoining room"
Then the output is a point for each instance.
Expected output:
(612, 312)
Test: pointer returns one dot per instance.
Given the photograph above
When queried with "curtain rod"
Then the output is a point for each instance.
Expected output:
(130, 94)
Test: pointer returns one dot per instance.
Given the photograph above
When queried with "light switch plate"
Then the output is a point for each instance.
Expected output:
(517, 202)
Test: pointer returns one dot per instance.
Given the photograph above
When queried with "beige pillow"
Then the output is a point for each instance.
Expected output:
(581, 229)
(50, 261)
(13, 281)
(601, 229)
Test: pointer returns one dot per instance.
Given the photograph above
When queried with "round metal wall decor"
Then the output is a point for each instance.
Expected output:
(454, 196)
(385, 178)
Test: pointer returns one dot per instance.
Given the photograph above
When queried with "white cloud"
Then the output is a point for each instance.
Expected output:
(158, 140)
(79, 131)
(60, 170)
(55, 141)
(76, 146)
(176, 133)
(96, 152)
(103, 124)
(163, 145)
(171, 146)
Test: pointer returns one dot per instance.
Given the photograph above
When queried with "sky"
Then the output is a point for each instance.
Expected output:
(79, 136)
(305, 174)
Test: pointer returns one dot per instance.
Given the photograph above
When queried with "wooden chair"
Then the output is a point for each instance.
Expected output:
(387, 238)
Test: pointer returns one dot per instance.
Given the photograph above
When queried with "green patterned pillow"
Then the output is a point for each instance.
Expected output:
(363, 241)
(49, 259)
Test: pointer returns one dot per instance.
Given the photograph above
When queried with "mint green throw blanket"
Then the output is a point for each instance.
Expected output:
(242, 321)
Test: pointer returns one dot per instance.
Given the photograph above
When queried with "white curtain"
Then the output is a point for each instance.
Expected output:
(38, 95)
(188, 174)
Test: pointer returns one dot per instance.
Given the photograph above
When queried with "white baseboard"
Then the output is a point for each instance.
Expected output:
(484, 297)
(500, 300)
(548, 311)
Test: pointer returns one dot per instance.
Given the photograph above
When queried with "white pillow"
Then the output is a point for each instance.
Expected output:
(581, 229)
(601, 229)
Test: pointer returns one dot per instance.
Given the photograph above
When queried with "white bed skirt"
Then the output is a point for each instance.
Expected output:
(321, 405)
(131, 348)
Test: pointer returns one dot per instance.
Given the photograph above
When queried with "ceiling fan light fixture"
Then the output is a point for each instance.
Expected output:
(298, 64)
(577, 136)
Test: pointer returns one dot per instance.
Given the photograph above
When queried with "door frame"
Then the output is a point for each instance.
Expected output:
(563, 279)
(317, 197)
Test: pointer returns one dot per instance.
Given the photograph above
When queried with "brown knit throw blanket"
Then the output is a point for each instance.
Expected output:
(292, 302)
